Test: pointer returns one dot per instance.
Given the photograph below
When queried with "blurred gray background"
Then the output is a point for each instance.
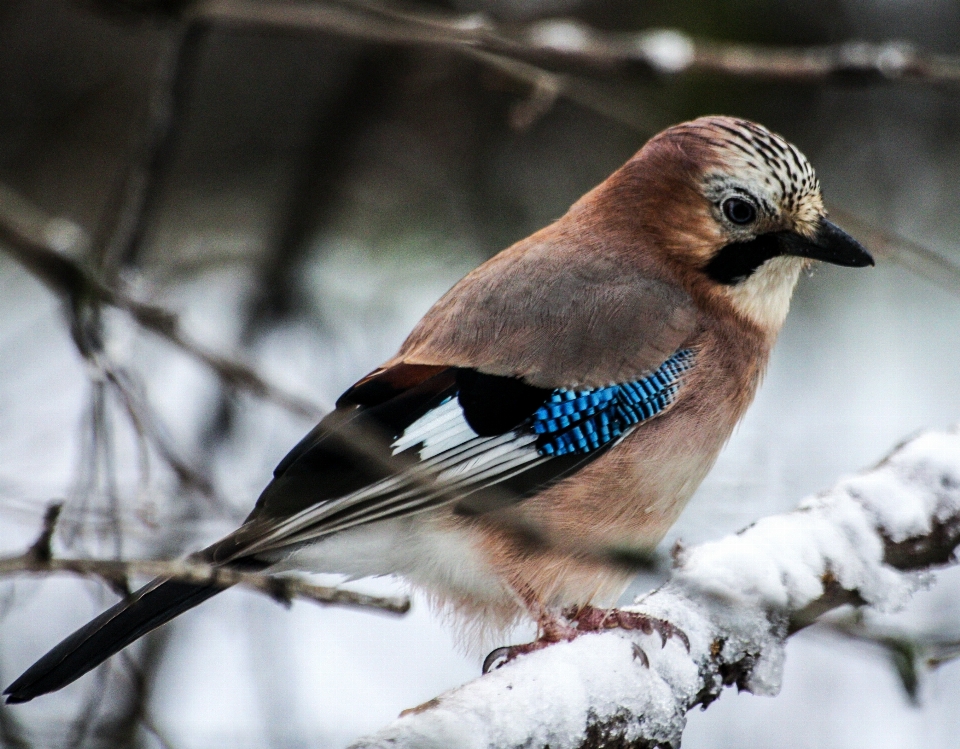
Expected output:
(300, 198)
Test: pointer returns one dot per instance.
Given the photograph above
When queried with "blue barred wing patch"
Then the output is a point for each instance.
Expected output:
(580, 421)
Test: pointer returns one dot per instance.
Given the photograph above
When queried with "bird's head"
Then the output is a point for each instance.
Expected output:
(737, 210)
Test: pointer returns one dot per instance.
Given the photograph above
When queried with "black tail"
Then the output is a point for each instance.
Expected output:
(109, 633)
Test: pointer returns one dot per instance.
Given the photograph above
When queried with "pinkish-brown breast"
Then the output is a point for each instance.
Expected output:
(628, 498)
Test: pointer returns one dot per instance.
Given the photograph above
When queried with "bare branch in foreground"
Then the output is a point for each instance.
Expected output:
(866, 541)
(570, 45)
(38, 559)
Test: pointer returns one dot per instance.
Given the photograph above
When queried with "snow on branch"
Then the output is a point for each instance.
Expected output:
(867, 541)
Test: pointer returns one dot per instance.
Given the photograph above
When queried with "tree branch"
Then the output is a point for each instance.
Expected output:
(867, 541)
(39, 559)
(569, 45)
(127, 215)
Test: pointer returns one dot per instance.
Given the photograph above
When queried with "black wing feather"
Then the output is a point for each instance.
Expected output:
(325, 465)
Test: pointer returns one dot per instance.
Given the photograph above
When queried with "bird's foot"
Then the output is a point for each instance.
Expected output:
(552, 630)
(590, 619)
(583, 620)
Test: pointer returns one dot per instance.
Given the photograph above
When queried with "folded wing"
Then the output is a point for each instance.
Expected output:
(458, 436)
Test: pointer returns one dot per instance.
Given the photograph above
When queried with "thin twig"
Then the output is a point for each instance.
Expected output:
(280, 588)
(584, 93)
(85, 719)
(148, 429)
(910, 654)
(905, 252)
(26, 234)
(124, 227)
(913, 653)
(38, 559)
(40, 552)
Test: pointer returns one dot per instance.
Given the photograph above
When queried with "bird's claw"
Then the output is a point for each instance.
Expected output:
(496, 658)
(552, 630)
(639, 653)
(502, 656)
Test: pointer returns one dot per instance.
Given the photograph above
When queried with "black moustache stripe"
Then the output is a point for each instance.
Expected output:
(739, 260)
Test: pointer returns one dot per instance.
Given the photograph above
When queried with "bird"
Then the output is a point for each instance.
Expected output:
(556, 408)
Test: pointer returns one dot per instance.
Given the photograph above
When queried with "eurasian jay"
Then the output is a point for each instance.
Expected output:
(557, 406)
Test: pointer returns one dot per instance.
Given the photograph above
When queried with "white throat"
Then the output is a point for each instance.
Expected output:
(764, 297)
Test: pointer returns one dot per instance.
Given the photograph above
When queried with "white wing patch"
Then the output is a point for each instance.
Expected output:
(435, 426)
(457, 455)
(454, 459)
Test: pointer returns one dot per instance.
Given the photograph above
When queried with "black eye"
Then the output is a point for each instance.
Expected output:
(739, 211)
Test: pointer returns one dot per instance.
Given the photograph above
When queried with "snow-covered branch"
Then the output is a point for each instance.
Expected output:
(867, 541)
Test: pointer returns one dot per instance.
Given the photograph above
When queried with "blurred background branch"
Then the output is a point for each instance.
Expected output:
(913, 655)
(30, 238)
(567, 44)
(553, 55)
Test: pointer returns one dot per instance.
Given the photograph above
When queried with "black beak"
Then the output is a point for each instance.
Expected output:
(830, 244)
